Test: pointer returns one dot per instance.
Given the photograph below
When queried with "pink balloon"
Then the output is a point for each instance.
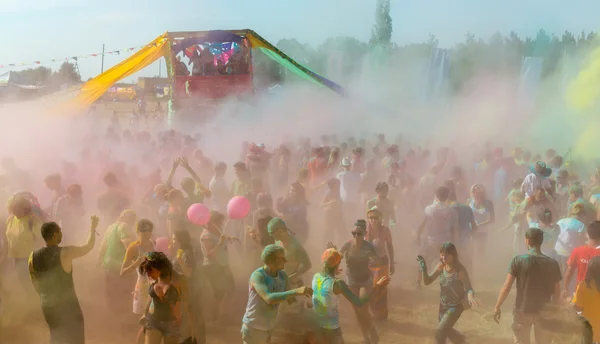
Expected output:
(162, 245)
(238, 208)
(198, 214)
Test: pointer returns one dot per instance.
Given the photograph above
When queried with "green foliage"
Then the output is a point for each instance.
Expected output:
(33, 76)
(499, 54)
(382, 30)
(67, 74)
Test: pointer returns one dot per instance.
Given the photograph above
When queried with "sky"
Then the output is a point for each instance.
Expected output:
(38, 30)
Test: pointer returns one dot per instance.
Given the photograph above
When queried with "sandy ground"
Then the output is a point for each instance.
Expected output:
(413, 314)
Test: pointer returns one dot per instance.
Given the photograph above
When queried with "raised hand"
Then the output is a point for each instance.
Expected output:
(95, 220)
(422, 262)
(383, 281)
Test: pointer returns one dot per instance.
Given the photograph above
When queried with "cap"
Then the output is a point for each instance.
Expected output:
(275, 224)
(331, 257)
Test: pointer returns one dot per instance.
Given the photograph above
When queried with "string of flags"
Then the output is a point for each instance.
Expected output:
(72, 58)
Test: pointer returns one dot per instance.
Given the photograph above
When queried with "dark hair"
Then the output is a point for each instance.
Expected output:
(188, 185)
(49, 229)
(381, 186)
(264, 200)
(333, 183)
(110, 179)
(535, 236)
(451, 185)
(220, 166)
(262, 224)
(362, 224)
(215, 217)
(145, 224)
(184, 239)
(545, 216)
(53, 178)
(593, 273)
(593, 230)
(449, 249)
(157, 261)
(74, 190)
(442, 193)
(300, 191)
(240, 166)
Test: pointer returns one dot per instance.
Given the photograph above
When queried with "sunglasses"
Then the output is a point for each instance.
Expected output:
(145, 230)
(358, 234)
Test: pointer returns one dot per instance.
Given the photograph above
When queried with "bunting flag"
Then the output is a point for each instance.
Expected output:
(72, 58)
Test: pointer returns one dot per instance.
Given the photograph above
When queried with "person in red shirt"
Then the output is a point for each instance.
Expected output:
(580, 257)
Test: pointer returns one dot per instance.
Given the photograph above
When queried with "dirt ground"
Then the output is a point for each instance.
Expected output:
(412, 319)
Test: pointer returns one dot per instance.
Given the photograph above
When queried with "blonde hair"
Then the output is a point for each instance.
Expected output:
(127, 213)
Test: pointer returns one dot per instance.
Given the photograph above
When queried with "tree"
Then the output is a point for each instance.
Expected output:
(67, 74)
(382, 30)
(33, 76)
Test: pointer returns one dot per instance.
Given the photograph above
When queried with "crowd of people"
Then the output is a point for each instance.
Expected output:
(365, 203)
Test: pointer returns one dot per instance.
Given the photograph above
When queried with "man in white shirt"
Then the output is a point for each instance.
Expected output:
(350, 188)
(537, 179)
(219, 189)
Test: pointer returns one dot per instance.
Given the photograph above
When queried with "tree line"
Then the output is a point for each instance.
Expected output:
(499, 54)
(67, 73)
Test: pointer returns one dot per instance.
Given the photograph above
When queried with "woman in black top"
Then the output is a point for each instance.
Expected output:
(456, 293)
(163, 314)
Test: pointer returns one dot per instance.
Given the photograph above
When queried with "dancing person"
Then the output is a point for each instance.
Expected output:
(134, 256)
(537, 179)
(297, 260)
(51, 272)
(350, 181)
(466, 224)
(455, 289)
(268, 287)
(326, 288)
(580, 256)
(22, 236)
(114, 200)
(587, 299)
(384, 204)
(162, 316)
(333, 211)
(111, 255)
(265, 211)
(572, 235)
(358, 254)
(69, 212)
(187, 262)
(538, 282)
(440, 222)
(579, 262)
(380, 237)
(484, 215)
(221, 194)
(294, 210)
(216, 260)
(54, 183)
